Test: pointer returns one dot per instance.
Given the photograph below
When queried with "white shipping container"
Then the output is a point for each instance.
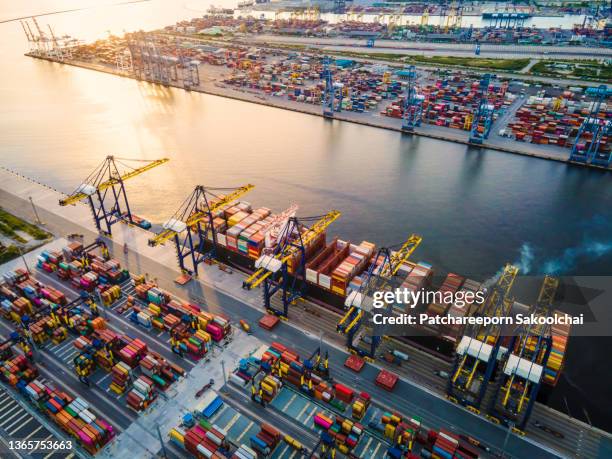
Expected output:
(312, 275)
(325, 281)
(204, 451)
(212, 437)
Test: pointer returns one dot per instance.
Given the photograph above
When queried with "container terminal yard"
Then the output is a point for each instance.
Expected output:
(135, 340)
(230, 330)
(510, 112)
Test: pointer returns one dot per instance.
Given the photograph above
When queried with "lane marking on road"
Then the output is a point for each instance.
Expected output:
(289, 402)
(25, 415)
(4, 422)
(232, 421)
(9, 412)
(376, 450)
(302, 412)
(239, 439)
(34, 432)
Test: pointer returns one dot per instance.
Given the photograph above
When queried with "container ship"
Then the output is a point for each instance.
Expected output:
(334, 268)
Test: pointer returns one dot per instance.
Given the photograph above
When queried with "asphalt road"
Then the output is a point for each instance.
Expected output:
(431, 48)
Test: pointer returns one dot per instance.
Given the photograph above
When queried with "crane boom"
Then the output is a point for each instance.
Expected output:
(85, 190)
(317, 228)
(197, 217)
(401, 255)
(30, 39)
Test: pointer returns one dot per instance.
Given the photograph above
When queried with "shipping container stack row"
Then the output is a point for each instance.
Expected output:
(266, 440)
(402, 433)
(191, 329)
(143, 393)
(85, 271)
(360, 405)
(244, 452)
(21, 295)
(554, 365)
(419, 278)
(269, 369)
(194, 344)
(452, 103)
(121, 355)
(203, 440)
(361, 90)
(555, 121)
(446, 446)
(338, 432)
(27, 302)
(452, 283)
(338, 264)
(462, 309)
(121, 377)
(409, 439)
(74, 416)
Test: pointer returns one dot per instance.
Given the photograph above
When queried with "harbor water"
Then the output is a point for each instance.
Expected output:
(476, 209)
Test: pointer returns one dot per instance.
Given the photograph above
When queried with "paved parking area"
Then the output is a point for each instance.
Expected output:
(240, 428)
(300, 408)
(17, 424)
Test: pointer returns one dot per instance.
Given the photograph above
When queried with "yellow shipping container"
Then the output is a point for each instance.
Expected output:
(389, 431)
(175, 434)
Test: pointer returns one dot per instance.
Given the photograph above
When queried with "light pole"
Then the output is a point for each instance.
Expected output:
(224, 376)
(35, 211)
(23, 258)
(161, 441)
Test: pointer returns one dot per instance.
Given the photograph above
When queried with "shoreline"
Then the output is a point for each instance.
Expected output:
(340, 117)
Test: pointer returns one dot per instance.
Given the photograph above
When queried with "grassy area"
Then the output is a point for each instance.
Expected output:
(509, 65)
(506, 65)
(10, 227)
(8, 253)
(585, 69)
(9, 224)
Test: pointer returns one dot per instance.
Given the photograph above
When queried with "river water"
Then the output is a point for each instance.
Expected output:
(476, 209)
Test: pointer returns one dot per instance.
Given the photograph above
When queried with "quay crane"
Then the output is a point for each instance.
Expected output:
(483, 118)
(478, 349)
(107, 185)
(285, 267)
(413, 103)
(592, 131)
(330, 104)
(383, 268)
(193, 221)
(523, 365)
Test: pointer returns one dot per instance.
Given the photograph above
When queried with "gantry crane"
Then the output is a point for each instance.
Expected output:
(193, 220)
(384, 266)
(43, 41)
(32, 41)
(56, 49)
(107, 185)
(189, 68)
(524, 363)
(587, 147)
(413, 103)
(483, 118)
(478, 349)
(331, 90)
(284, 269)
